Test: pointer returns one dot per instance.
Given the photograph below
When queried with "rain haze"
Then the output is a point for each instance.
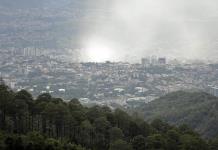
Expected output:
(108, 74)
(115, 30)
(131, 29)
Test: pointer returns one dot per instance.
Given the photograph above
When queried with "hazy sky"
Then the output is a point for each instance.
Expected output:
(131, 29)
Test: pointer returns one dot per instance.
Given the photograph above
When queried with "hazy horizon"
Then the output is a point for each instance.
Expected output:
(116, 30)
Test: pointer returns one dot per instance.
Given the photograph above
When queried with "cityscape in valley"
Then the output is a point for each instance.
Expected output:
(108, 75)
(108, 83)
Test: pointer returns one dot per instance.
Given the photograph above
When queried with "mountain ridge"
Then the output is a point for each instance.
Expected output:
(199, 110)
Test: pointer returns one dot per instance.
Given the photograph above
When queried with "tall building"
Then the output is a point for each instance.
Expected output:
(162, 61)
(146, 61)
(154, 60)
(31, 51)
(213, 91)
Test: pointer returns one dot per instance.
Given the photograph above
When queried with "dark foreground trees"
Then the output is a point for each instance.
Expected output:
(48, 123)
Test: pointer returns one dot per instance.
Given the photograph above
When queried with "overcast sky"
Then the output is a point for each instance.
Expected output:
(172, 28)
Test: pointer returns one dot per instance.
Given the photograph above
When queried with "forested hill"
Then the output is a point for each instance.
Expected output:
(199, 110)
(48, 123)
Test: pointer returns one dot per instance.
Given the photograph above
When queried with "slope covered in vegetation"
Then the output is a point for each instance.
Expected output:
(48, 123)
(198, 110)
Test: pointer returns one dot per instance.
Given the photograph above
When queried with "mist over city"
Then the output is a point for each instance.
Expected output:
(172, 28)
(108, 74)
(116, 30)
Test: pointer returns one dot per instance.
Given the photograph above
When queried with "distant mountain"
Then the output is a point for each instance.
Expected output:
(21, 3)
(40, 23)
(199, 110)
(49, 24)
(32, 3)
(46, 3)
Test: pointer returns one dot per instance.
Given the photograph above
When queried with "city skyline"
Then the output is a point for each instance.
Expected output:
(101, 30)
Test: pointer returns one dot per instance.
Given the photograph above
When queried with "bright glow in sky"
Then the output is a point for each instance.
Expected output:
(98, 50)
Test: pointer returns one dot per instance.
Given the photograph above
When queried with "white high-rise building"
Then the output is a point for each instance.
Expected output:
(154, 60)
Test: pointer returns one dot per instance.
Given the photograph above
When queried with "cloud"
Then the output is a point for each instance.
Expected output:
(172, 28)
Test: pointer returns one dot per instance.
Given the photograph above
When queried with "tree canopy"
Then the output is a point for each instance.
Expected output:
(48, 123)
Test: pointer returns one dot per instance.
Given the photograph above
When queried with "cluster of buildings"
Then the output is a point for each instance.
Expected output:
(153, 60)
(29, 42)
(213, 90)
(112, 83)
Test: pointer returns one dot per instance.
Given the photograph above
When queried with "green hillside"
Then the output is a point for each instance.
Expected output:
(199, 110)
(48, 123)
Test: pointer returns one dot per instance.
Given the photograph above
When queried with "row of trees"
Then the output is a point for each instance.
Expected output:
(51, 123)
